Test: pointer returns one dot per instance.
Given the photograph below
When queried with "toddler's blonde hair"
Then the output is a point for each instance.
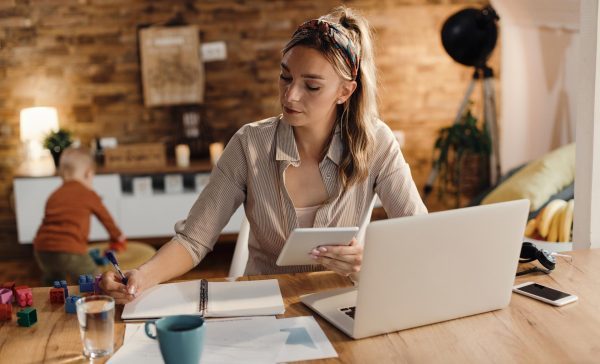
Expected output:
(74, 162)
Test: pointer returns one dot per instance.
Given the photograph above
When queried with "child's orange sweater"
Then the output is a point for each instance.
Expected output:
(66, 224)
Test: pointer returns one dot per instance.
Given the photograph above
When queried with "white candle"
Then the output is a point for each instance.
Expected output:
(182, 155)
(216, 149)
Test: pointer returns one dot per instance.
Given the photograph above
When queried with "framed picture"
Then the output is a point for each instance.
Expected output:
(172, 68)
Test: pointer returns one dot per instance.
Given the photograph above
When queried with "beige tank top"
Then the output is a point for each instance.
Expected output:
(306, 215)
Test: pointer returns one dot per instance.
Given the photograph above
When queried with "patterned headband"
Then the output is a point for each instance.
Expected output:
(336, 37)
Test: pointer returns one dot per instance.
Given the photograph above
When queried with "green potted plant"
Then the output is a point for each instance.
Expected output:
(461, 154)
(56, 142)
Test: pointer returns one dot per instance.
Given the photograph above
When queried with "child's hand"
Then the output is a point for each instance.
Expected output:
(119, 245)
(111, 285)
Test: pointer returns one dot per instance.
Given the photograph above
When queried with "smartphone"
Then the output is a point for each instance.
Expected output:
(544, 294)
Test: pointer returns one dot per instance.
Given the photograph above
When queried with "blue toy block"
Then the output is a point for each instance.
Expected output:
(70, 304)
(27, 317)
(86, 283)
(63, 285)
(98, 259)
(94, 253)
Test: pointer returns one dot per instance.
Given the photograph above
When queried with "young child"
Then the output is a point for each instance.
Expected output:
(60, 246)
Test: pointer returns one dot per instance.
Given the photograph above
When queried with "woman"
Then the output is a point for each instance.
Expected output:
(318, 164)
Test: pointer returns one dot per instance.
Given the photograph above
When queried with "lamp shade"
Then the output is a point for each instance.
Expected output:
(469, 36)
(36, 122)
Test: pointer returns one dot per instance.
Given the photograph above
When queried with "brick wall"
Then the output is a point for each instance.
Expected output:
(82, 58)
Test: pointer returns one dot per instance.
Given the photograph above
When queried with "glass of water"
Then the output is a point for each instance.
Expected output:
(96, 315)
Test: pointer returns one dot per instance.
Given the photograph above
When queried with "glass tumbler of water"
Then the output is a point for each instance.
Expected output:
(96, 316)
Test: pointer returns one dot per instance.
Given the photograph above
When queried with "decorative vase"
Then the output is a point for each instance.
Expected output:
(56, 157)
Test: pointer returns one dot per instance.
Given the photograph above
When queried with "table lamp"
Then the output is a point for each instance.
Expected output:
(36, 123)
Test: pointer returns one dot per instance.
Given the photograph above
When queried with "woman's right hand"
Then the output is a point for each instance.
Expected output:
(111, 285)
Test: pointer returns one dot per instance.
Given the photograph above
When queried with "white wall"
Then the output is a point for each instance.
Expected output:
(586, 228)
(539, 63)
(550, 76)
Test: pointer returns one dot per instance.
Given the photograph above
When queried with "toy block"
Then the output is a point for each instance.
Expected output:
(5, 312)
(86, 283)
(24, 296)
(27, 317)
(6, 295)
(70, 304)
(57, 295)
(94, 253)
(62, 285)
(11, 286)
(98, 258)
(97, 279)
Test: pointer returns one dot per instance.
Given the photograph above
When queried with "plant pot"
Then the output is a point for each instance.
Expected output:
(56, 157)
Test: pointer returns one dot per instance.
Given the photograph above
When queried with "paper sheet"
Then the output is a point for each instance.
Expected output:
(306, 340)
(241, 340)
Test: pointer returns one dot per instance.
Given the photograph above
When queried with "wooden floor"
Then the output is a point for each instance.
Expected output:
(26, 272)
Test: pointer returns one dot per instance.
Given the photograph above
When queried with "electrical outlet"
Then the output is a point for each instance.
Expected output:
(214, 51)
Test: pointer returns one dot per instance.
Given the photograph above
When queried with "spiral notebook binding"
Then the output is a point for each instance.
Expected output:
(203, 296)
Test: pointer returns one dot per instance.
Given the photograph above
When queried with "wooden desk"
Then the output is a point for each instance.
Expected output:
(527, 331)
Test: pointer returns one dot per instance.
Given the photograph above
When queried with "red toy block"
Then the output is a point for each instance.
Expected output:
(57, 295)
(5, 312)
(24, 296)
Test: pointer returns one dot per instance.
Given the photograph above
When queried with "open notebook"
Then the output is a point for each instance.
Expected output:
(210, 299)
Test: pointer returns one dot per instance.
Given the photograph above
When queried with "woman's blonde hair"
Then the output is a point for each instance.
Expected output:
(357, 116)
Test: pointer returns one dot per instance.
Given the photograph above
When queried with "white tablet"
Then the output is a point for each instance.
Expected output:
(302, 240)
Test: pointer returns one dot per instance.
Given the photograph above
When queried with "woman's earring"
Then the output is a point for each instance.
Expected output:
(340, 101)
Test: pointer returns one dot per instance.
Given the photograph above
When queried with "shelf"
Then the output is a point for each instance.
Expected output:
(45, 168)
(199, 166)
(159, 193)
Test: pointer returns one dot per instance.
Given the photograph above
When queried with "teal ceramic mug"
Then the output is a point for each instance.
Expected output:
(180, 338)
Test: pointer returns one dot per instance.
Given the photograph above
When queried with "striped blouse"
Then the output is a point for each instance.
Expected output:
(251, 171)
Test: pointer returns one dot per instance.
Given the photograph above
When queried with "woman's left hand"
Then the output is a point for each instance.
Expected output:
(342, 259)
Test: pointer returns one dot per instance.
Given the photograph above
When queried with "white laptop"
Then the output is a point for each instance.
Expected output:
(424, 269)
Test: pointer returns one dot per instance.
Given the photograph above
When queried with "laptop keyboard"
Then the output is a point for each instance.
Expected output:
(350, 311)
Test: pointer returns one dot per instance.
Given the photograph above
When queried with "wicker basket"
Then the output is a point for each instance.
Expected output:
(135, 155)
(474, 175)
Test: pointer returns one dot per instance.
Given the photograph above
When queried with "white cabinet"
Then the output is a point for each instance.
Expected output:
(30, 200)
(137, 216)
(109, 189)
(31, 195)
(149, 216)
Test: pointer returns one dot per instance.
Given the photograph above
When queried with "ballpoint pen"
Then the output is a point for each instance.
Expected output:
(111, 257)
